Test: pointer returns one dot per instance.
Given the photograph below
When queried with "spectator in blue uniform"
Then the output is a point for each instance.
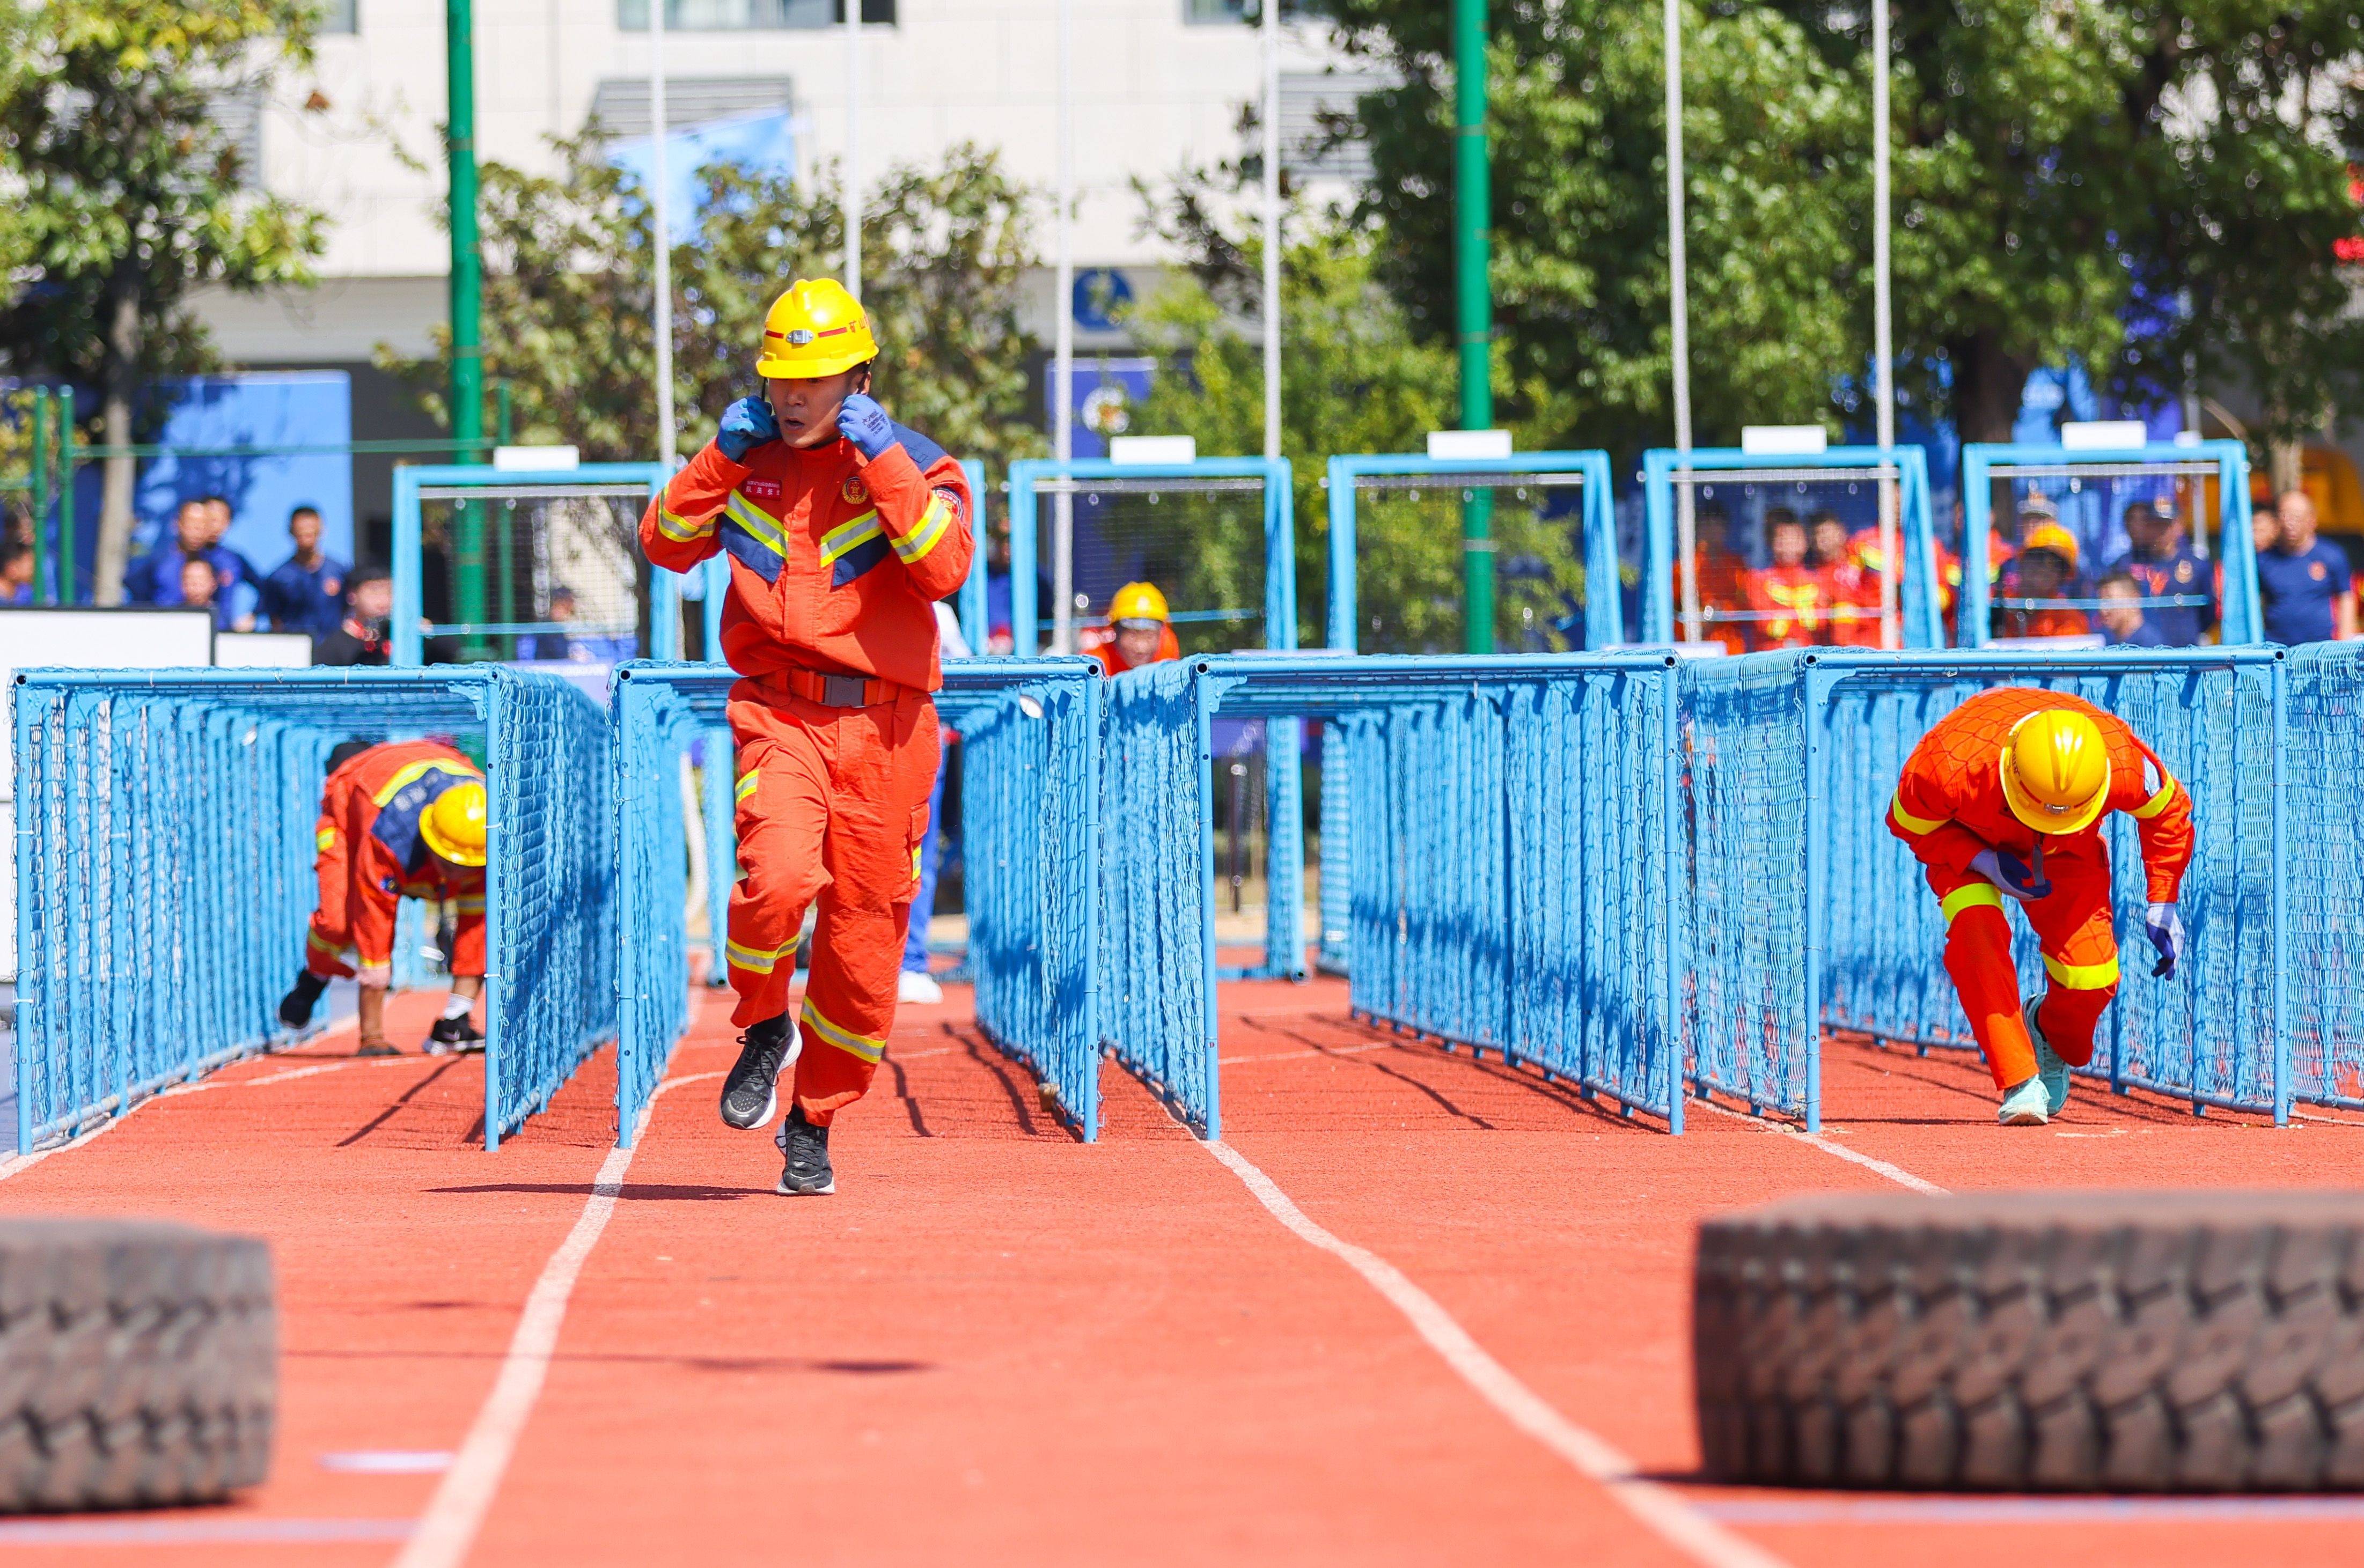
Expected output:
(544, 646)
(155, 577)
(2163, 565)
(2304, 580)
(2124, 622)
(307, 594)
(201, 590)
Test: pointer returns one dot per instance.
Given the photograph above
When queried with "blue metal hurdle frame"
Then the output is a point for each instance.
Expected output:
(1604, 621)
(1822, 672)
(1144, 1018)
(1284, 792)
(1050, 1023)
(665, 587)
(546, 875)
(1917, 600)
(2242, 618)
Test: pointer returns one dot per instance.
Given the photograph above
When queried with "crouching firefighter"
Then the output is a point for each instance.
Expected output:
(843, 529)
(402, 820)
(2002, 800)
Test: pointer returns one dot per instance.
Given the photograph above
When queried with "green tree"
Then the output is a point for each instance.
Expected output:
(1355, 378)
(2065, 174)
(125, 193)
(569, 316)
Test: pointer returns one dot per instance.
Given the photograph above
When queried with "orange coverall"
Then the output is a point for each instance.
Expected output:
(1794, 602)
(1722, 585)
(371, 857)
(836, 563)
(1949, 805)
(1113, 661)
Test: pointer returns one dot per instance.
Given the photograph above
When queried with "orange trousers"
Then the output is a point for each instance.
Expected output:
(832, 805)
(2080, 961)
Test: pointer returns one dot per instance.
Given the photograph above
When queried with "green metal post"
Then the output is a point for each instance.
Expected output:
(1474, 306)
(65, 495)
(467, 292)
(42, 593)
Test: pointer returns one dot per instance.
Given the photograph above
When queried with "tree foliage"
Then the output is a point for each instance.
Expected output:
(569, 308)
(122, 193)
(2068, 175)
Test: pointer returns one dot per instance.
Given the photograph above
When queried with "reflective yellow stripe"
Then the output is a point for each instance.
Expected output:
(325, 839)
(746, 787)
(680, 528)
(470, 905)
(762, 530)
(847, 538)
(2155, 804)
(414, 771)
(312, 940)
(1976, 895)
(1909, 823)
(2083, 976)
(755, 959)
(869, 1049)
(915, 864)
(933, 522)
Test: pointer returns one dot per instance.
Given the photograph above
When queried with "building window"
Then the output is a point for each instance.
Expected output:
(340, 16)
(1320, 138)
(1203, 13)
(620, 104)
(749, 16)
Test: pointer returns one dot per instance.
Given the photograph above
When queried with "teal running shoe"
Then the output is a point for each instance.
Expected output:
(2049, 1069)
(2025, 1106)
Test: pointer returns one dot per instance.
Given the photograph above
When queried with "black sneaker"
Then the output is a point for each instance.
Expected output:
(454, 1037)
(750, 1095)
(295, 1007)
(807, 1173)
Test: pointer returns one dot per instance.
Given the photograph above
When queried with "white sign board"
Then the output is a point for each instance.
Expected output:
(537, 459)
(1468, 446)
(1784, 440)
(1143, 452)
(2103, 434)
(77, 639)
(263, 649)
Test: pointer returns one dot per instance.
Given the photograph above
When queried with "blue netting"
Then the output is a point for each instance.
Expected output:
(165, 852)
(1744, 918)
(1508, 877)
(2324, 833)
(2206, 1034)
(1031, 727)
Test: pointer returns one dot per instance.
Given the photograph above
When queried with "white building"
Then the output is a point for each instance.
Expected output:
(1158, 84)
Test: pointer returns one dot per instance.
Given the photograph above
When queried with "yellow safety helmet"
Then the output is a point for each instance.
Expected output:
(1138, 600)
(453, 824)
(2054, 538)
(2056, 770)
(814, 329)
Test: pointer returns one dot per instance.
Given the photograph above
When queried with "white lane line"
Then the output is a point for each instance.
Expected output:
(464, 1496)
(1658, 1507)
(1301, 1055)
(1897, 1173)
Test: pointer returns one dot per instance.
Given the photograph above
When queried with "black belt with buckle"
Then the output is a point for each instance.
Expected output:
(844, 691)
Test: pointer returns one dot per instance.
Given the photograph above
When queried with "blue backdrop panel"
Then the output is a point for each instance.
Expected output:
(1029, 836)
(164, 871)
(2323, 836)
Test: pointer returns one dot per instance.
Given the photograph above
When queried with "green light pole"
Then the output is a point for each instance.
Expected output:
(1473, 306)
(467, 292)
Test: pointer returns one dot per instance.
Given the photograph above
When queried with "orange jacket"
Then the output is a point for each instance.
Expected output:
(1794, 601)
(1722, 585)
(369, 824)
(1112, 659)
(1949, 803)
(835, 560)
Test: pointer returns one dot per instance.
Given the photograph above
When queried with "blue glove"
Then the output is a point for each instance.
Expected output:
(863, 422)
(746, 424)
(2012, 874)
(2165, 929)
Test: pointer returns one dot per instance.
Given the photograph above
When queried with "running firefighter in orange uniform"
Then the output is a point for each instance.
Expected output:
(2003, 799)
(401, 820)
(844, 528)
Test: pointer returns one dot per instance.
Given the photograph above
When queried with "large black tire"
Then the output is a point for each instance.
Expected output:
(2035, 1341)
(138, 1364)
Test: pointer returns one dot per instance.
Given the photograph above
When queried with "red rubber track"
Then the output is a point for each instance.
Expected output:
(996, 1345)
